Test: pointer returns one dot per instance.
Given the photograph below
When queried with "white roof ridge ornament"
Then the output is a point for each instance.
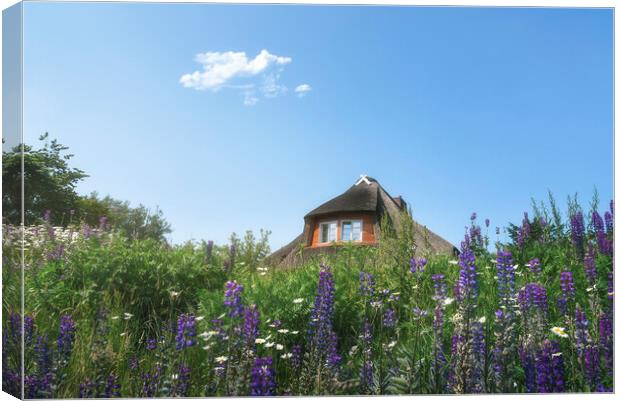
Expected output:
(363, 178)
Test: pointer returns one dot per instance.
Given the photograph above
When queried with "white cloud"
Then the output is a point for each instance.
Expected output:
(303, 89)
(219, 69)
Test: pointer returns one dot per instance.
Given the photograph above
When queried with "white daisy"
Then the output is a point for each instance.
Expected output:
(559, 331)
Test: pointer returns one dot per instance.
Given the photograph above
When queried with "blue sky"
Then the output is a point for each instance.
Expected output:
(456, 109)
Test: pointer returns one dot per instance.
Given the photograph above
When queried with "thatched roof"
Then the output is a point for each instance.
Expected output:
(366, 195)
(360, 197)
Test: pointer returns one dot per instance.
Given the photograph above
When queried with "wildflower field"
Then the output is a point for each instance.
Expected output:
(107, 316)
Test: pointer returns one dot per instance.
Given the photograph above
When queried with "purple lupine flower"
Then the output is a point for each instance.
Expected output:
(367, 285)
(473, 216)
(28, 329)
(504, 350)
(487, 222)
(87, 389)
(151, 344)
(533, 296)
(417, 265)
(535, 266)
(505, 278)
(321, 341)
(333, 359)
(550, 368)
(606, 333)
(589, 264)
(577, 232)
(186, 331)
(610, 286)
(457, 340)
(466, 289)
(103, 223)
(581, 331)
(263, 378)
(150, 382)
(523, 232)
(600, 388)
(440, 286)
(497, 230)
(47, 215)
(478, 356)
(251, 320)
(232, 252)
(112, 387)
(591, 364)
(15, 323)
(87, 231)
(181, 386)
(389, 318)
(366, 375)
(475, 236)
(609, 222)
(43, 356)
(542, 222)
(31, 386)
(134, 364)
(296, 356)
(66, 336)
(56, 254)
(567, 287)
(439, 297)
(601, 237)
(597, 222)
(232, 298)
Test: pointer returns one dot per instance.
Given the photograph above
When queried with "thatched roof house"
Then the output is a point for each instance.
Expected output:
(354, 216)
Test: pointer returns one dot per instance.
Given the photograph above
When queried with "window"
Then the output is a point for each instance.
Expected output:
(328, 232)
(351, 230)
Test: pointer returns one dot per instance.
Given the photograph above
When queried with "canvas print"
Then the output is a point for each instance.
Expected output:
(227, 200)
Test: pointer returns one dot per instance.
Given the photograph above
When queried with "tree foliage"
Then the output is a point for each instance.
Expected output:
(49, 182)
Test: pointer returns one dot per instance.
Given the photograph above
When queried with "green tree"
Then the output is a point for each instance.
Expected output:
(133, 222)
(49, 183)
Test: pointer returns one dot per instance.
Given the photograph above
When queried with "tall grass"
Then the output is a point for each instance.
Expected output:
(150, 319)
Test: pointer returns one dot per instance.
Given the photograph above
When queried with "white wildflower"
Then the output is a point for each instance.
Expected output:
(260, 341)
(298, 300)
(221, 359)
(269, 345)
(283, 331)
(279, 347)
(559, 331)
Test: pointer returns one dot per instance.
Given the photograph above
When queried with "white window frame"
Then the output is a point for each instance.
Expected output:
(327, 223)
(351, 221)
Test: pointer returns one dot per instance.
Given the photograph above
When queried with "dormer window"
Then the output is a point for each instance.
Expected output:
(351, 230)
(328, 232)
